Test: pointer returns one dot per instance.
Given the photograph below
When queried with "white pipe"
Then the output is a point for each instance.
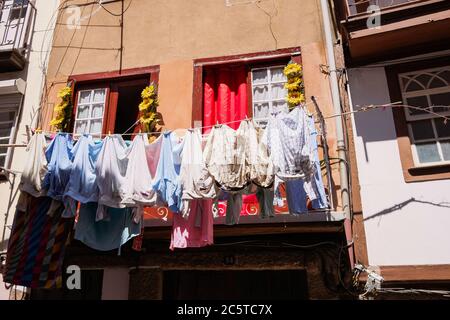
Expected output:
(340, 141)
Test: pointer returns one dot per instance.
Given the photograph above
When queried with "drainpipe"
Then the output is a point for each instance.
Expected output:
(340, 141)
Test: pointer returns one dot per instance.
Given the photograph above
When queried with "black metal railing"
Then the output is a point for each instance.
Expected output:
(16, 24)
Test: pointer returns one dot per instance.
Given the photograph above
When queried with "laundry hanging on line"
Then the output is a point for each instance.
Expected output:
(178, 172)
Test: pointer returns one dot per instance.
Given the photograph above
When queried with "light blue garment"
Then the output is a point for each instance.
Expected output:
(166, 181)
(321, 201)
(106, 235)
(296, 193)
(59, 158)
(82, 185)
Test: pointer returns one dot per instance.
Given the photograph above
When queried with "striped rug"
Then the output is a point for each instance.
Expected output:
(37, 244)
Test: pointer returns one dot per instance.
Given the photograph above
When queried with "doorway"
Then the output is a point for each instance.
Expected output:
(235, 284)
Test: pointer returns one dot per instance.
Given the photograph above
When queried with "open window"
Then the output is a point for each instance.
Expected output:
(109, 102)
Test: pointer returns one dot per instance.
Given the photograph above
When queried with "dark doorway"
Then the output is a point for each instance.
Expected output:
(127, 104)
(235, 284)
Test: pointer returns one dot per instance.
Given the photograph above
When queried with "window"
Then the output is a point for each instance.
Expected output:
(228, 89)
(108, 102)
(9, 109)
(430, 136)
(423, 139)
(7, 120)
(90, 111)
(268, 92)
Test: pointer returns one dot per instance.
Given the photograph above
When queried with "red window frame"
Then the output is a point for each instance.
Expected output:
(112, 81)
(250, 60)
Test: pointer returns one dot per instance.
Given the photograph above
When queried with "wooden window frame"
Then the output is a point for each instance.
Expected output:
(412, 172)
(250, 60)
(112, 81)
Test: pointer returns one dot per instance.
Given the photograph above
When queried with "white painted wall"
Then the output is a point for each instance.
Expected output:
(34, 76)
(417, 232)
(115, 283)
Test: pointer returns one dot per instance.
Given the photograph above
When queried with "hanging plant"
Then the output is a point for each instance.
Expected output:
(150, 118)
(294, 85)
(63, 110)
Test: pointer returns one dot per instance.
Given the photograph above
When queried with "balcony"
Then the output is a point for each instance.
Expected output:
(16, 25)
(376, 30)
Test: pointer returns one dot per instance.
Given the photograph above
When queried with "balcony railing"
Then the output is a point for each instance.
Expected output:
(354, 7)
(16, 20)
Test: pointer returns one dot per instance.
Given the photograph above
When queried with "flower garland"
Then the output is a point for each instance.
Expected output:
(294, 85)
(63, 110)
(149, 117)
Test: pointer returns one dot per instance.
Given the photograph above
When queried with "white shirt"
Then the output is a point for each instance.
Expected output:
(225, 156)
(196, 181)
(137, 189)
(111, 169)
(35, 167)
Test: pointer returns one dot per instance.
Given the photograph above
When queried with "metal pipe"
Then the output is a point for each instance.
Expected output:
(340, 140)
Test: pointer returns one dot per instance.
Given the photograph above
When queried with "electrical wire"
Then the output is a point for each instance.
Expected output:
(112, 13)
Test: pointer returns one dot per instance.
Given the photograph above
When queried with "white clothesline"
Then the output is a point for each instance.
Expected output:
(360, 109)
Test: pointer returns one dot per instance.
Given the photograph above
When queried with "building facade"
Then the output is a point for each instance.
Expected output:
(26, 33)
(108, 52)
(396, 54)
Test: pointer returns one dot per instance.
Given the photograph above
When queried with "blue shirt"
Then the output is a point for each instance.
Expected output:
(166, 181)
(105, 235)
(59, 159)
(82, 185)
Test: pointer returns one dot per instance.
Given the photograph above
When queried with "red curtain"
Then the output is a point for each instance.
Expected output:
(224, 96)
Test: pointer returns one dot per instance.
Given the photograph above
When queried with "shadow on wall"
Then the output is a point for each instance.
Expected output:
(373, 126)
(400, 205)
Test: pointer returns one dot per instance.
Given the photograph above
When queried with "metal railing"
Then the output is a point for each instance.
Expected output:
(16, 24)
(354, 7)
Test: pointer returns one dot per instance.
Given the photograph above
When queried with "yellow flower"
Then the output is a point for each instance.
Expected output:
(293, 86)
(148, 92)
(65, 92)
(292, 70)
(144, 105)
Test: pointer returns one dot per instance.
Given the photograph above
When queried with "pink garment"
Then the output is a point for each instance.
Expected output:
(153, 150)
(197, 229)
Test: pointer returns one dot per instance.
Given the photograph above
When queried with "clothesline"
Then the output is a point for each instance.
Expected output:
(364, 108)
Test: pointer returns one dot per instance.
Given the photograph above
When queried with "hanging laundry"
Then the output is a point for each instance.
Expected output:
(110, 169)
(59, 157)
(225, 156)
(35, 168)
(166, 181)
(153, 150)
(108, 234)
(265, 198)
(261, 166)
(286, 137)
(138, 179)
(197, 229)
(37, 245)
(82, 185)
(321, 201)
(196, 181)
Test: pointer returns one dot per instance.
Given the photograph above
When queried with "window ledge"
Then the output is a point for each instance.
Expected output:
(432, 172)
